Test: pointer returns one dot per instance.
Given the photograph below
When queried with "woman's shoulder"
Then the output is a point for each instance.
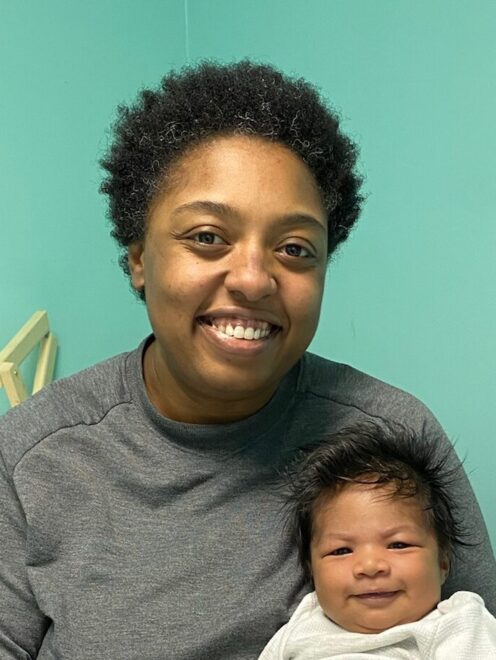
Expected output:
(346, 386)
(82, 398)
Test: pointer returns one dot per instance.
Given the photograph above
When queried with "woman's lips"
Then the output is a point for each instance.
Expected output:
(244, 329)
(237, 345)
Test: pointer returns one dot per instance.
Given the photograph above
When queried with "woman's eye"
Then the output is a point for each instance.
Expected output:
(207, 238)
(296, 250)
(340, 551)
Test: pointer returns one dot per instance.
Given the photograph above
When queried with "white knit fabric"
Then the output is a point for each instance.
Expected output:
(460, 628)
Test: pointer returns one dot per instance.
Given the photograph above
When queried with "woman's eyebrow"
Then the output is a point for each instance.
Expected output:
(206, 206)
(301, 220)
(224, 211)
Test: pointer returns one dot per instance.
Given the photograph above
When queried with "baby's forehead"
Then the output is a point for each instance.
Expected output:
(366, 503)
(375, 489)
(368, 489)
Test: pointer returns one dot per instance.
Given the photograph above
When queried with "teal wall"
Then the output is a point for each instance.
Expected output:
(410, 298)
(64, 67)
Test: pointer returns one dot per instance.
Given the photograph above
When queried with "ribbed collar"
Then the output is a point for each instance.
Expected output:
(211, 437)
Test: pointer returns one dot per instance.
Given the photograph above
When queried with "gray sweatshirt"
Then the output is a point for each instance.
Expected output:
(124, 534)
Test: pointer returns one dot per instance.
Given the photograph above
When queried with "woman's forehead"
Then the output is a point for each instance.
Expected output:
(244, 173)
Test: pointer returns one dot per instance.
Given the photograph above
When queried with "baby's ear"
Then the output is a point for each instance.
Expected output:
(309, 572)
(444, 565)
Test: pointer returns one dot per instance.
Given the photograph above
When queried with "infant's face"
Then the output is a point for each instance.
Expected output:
(375, 563)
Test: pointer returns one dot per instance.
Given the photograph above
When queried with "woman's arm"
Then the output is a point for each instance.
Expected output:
(473, 568)
(22, 625)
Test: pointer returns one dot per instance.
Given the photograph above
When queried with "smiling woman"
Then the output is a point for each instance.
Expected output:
(139, 516)
(239, 245)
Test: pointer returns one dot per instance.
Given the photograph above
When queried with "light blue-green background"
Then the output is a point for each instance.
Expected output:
(410, 298)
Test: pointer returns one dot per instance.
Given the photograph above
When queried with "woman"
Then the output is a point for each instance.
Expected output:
(139, 517)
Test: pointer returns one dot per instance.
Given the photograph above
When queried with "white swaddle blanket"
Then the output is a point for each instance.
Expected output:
(460, 628)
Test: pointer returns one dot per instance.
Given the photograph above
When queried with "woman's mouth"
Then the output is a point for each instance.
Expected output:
(237, 328)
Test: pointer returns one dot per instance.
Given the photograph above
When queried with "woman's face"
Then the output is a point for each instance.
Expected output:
(233, 265)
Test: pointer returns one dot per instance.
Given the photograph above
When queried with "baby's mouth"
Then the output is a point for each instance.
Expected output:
(244, 329)
(376, 595)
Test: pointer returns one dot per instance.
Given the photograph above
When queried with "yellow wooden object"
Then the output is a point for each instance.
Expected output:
(35, 331)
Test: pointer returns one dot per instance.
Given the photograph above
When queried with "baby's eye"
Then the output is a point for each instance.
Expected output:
(207, 238)
(399, 545)
(340, 551)
(296, 250)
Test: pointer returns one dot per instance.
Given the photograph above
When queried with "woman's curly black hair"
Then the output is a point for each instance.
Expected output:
(198, 103)
(376, 454)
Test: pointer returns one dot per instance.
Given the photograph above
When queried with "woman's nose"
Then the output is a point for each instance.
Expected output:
(250, 276)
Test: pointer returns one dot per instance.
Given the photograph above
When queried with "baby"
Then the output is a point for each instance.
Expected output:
(376, 530)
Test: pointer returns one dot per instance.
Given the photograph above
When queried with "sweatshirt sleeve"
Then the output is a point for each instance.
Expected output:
(22, 625)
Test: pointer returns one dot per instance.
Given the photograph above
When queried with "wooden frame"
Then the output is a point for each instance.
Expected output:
(35, 331)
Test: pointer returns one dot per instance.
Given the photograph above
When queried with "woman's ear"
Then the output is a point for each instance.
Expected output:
(136, 261)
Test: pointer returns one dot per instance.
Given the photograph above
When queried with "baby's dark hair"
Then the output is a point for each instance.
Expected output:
(199, 103)
(375, 454)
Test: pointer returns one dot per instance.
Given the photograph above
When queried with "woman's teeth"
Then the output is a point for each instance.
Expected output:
(252, 331)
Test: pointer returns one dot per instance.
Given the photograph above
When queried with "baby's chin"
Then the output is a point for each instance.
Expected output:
(373, 625)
